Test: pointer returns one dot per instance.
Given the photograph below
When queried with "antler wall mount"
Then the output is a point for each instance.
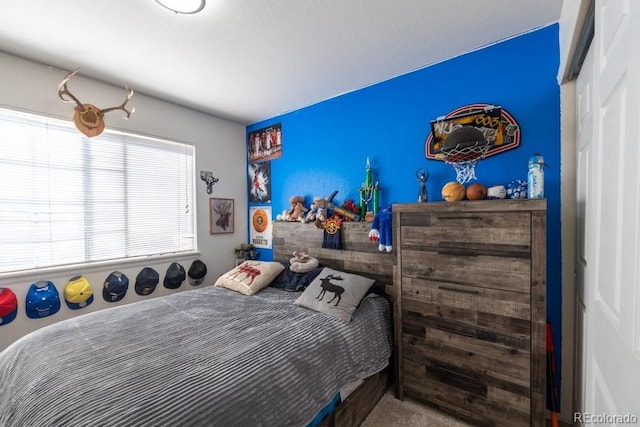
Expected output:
(88, 118)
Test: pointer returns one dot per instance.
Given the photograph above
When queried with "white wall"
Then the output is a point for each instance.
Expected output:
(220, 147)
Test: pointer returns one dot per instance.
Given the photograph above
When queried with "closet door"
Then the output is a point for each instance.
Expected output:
(613, 208)
(584, 193)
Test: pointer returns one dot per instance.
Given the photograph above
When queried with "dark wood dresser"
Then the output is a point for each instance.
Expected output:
(470, 308)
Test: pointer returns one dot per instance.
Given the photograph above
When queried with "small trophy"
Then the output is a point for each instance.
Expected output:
(423, 175)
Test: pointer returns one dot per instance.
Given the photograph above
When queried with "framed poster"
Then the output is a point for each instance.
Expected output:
(220, 216)
(259, 182)
(260, 235)
(265, 144)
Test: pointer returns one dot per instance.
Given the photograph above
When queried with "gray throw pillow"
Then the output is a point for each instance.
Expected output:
(335, 293)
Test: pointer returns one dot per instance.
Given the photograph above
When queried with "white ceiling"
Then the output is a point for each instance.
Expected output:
(250, 60)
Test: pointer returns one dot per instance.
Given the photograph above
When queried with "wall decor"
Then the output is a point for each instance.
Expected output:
(260, 233)
(265, 144)
(88, 118)
(209, 179)
(221, 212)
(259, 182)
(499, 127)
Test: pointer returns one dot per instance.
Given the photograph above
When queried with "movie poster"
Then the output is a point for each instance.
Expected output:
(259, 182)
(260, 226)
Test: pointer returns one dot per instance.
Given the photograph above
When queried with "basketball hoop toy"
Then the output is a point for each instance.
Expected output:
(462, 150)
(463, 161)
(496, 131)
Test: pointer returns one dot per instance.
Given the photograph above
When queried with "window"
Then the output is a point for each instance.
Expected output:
(68, 199)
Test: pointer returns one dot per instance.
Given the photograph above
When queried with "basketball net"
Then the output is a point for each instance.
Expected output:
(463, 160)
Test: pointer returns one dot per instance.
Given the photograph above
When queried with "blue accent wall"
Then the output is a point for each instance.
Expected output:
(325, 145)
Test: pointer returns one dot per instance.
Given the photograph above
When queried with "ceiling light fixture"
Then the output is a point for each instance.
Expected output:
(186, 7)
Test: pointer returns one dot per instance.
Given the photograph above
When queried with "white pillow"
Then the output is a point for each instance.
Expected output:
(335, 293)
(250, 276)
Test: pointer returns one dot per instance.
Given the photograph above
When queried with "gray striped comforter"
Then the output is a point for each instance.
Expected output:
(207, 357)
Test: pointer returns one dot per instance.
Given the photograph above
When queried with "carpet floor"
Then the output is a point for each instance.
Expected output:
(390, 412)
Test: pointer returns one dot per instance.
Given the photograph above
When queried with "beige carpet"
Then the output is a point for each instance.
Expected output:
(391, 412)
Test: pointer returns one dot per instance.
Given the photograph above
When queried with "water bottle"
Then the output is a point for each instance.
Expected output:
(535, 177)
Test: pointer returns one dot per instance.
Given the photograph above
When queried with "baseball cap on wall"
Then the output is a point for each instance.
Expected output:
(197, 272)
(78, 293)
(174, 276)
(8, 306)
(146, 281)
(42, 299)
(115, 287)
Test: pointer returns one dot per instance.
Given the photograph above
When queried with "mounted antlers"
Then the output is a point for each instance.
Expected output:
(88, 118)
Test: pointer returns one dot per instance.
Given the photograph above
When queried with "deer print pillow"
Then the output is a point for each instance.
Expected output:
(250, 276)
(335, 293)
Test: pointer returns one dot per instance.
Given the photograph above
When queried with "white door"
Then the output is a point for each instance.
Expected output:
(584, 189)
(612, 232)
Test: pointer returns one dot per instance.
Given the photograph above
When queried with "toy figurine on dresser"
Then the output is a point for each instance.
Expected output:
(381, 228)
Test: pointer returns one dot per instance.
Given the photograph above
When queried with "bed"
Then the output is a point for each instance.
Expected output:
(209, 356)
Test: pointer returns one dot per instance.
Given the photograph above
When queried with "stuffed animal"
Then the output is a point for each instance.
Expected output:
(381, 229)
(317, 212)
(302, 262)
(297, 210)
(351, 206)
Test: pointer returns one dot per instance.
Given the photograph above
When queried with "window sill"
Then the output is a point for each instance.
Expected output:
(97, 266)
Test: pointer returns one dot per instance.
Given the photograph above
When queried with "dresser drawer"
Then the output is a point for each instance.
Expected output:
(471, 268)
(497, 231)
(488, 311)
(508, 367)
(467, 394)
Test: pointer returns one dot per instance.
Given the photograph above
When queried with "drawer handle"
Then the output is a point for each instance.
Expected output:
(464, 291)
(460, 252)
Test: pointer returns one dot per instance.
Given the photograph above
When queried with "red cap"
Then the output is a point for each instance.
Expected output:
(8, 306)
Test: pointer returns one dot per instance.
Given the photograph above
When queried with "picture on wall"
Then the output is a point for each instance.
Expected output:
(220, 216)
(265, 144)
(259, 182)
(261, 227)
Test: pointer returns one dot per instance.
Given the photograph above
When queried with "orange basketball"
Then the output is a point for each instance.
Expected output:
(453, 191)
(476, 191)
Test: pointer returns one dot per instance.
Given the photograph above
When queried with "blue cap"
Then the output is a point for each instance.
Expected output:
(42, 299)
(115, 287)
(146, 281)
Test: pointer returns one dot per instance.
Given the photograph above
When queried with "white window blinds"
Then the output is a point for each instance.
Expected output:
(68, 199)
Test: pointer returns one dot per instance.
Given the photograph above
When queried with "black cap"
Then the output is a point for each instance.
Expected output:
(197, 272)
(146, 281)
(175, 276)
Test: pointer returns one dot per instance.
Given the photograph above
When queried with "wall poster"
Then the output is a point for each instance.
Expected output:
(259, 182)
(260, 234)
(265, 144)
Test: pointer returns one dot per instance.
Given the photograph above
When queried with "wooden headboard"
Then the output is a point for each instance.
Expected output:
(358, 255)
